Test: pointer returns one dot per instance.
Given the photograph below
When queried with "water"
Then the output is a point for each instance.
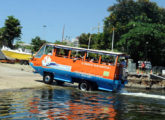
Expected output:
(69, 103)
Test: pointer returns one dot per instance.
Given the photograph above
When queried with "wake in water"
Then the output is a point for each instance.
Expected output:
(144, 95)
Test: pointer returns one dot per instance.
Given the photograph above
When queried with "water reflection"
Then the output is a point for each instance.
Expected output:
(71, 104)
(66, 104)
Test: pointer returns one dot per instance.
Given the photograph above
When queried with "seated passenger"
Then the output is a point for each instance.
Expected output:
(91, 60)
(123, 63)
(49, 53)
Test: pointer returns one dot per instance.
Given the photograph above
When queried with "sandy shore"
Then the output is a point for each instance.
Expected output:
(15, 76)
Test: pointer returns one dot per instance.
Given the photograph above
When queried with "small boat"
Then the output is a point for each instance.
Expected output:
(16, 54)
(91, 69)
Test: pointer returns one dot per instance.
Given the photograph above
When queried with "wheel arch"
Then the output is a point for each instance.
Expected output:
(45, 72)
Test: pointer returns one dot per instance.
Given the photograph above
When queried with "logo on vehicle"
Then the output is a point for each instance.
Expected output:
(46, 60)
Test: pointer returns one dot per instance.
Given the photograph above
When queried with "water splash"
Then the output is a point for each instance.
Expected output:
(144, 95)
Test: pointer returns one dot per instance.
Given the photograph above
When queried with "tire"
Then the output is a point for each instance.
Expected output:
(21, 62)
(59, 82)
(84, 86)
(26, 63)
(48, 78)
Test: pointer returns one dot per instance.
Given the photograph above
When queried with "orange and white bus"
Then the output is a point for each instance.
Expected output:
(92, 69)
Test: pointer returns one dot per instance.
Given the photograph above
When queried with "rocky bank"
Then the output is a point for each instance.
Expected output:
(145, 81)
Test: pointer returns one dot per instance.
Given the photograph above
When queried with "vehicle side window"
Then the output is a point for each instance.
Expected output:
(59, 52)
(62, 53)
(66, 53)
(92, 57)
(107, 59)
(78, 55)
(40, 52)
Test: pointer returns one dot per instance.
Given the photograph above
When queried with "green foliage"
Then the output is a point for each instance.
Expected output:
(60, 43)
(144, 40)
(139, 29)
(10, 32)
(37, 43)
(18, 44)
(83, 40)
(21, 44)
(1, 37)
(96, 40)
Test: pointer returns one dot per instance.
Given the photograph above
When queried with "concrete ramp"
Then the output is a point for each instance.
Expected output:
(154, 76)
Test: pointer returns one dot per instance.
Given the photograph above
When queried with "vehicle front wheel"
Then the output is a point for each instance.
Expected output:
(48, 78)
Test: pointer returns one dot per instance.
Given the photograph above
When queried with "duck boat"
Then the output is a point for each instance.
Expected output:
(91, 69)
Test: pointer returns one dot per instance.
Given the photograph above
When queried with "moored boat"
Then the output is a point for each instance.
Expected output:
(13, 56)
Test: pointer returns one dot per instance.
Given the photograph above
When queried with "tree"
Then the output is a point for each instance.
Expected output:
(144, 41)
(126, 11)
(11, 31)
(18, 44)
(84, 39)
(61, 43)
(96, 40)
(1, 38)
(139, 29)
(37, 43)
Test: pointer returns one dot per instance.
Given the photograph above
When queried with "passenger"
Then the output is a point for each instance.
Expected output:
(123, 63)
(91, 60)
(49, 53)
(82, 58)
(103, 63)
(111, 62)
(87, 59)
(57, 52)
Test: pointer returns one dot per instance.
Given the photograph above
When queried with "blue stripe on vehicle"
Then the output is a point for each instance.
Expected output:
(66, 76)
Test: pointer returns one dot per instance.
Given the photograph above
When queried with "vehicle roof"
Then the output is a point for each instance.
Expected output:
(87, 50)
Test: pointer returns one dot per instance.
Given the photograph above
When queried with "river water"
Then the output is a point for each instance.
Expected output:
(69, 103)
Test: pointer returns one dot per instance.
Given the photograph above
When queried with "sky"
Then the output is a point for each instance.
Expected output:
(47, 18)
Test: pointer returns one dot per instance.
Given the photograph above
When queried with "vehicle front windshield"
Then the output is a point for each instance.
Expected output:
(46, 49)
(40, 52)
(49, 50)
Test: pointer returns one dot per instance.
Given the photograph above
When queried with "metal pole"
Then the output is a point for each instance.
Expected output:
(89, 42)
(113, 35)
(63, 33)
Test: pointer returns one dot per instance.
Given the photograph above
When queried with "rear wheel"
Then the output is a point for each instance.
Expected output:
(85, 86)
(48, 78)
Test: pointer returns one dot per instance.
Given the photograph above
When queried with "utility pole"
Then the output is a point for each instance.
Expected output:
(63, 33)
(89, 41)
(94, 28)
(113, 36)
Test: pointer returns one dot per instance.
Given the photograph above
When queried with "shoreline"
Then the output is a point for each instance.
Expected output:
(19, 77)
(145, 82)
(15, 76)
